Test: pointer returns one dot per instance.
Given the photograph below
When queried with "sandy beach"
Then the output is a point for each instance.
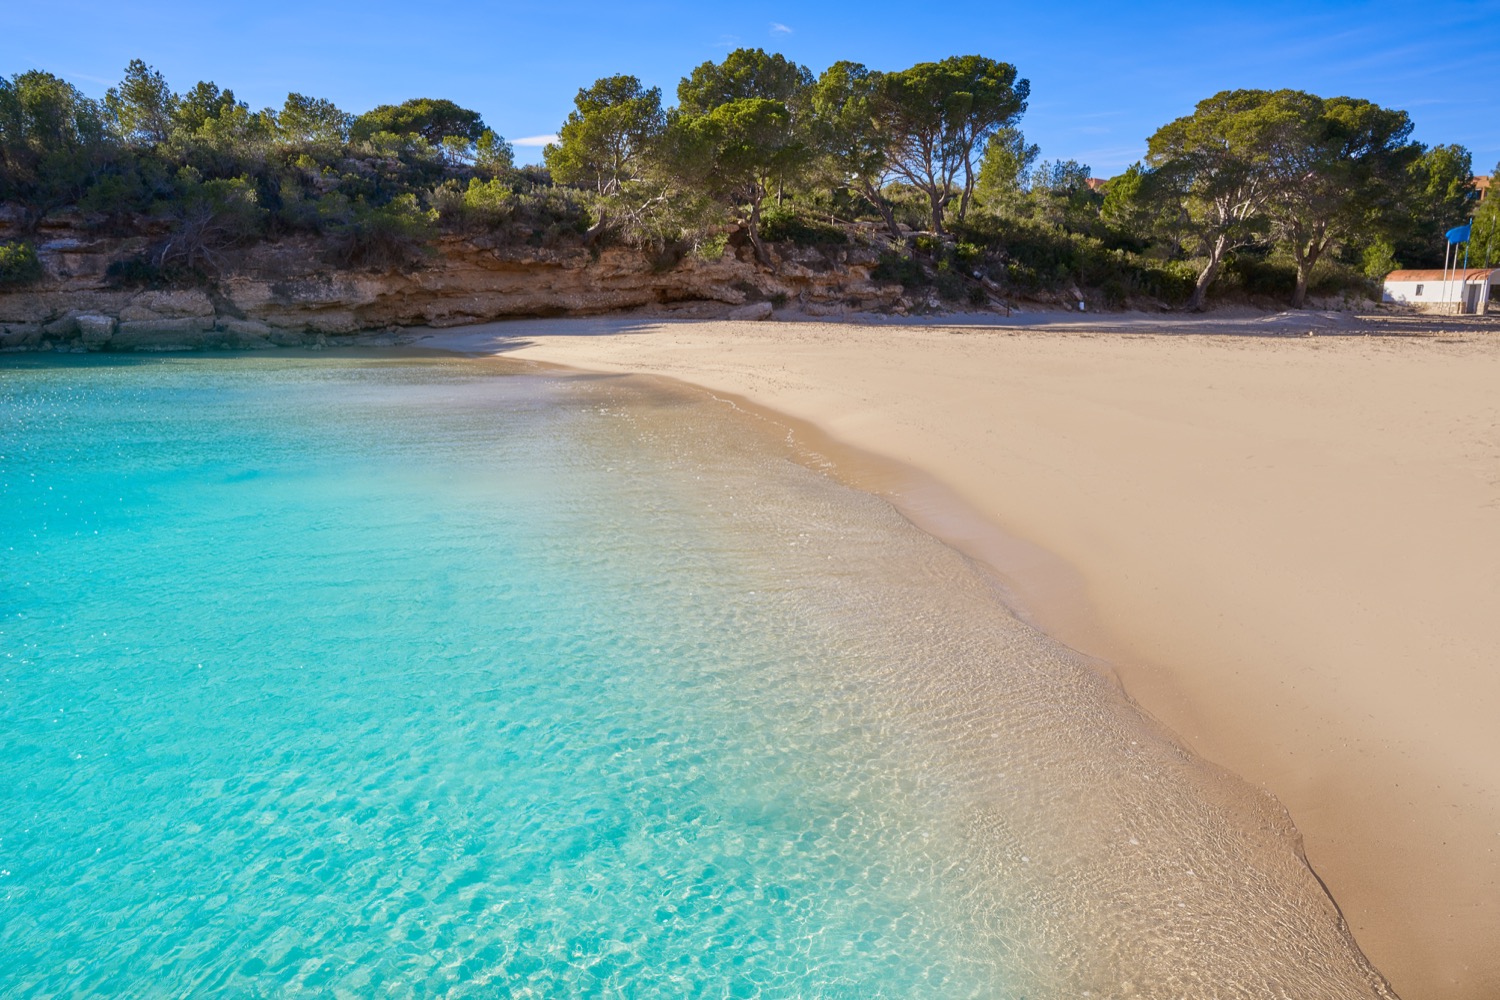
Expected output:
(1286, 546)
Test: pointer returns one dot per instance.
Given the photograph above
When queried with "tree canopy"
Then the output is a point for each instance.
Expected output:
(142, 105)
(1336, 177)
(935, 118)
(1261, 191)
(611, 129)
(1484, 246)
(744, 74)
(1005, 166)
(735, 150)
(431, 119)
(1283, 168)
(1220, 166)
(1437, 196)
(847, 135)
(313, 120)
(52, 141)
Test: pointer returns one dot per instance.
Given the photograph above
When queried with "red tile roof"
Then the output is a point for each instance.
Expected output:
(1458, 275)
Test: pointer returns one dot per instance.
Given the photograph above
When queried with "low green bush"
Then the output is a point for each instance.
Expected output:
(1330, 277)
(1258, 277)
(389, 236)
(967, 253)
(19, 264)
(928, 244)
(1031, 257)
(712, 247)
(898, 268)
(951, 287)
(783, 225)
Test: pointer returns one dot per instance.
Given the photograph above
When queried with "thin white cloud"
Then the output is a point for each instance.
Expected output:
(90, 79)
(777, 28)
(535, 140)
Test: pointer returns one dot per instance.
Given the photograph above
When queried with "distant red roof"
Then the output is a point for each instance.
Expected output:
(1096, 183)
(1459, 275)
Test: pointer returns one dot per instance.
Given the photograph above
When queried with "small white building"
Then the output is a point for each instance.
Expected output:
(1463, 291)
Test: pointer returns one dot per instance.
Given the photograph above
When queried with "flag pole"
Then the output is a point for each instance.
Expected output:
(1458, 234)
(1447, 250)
(1463, 284)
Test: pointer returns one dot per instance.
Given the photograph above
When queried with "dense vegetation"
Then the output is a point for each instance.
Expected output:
(1273, 193)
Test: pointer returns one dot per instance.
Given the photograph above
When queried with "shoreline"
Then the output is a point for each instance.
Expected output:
(1414, 876)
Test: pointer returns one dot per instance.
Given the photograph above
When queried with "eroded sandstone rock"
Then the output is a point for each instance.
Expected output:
(753, 311)
(284, 294)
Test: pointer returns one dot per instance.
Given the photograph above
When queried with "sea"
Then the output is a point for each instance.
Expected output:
(411, 675)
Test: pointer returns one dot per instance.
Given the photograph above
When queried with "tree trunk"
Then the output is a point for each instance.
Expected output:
(1306, 257)
(882, 206)
(755, 241)
(963, 203)
(1207, 275)
(597, 229)
(936, 199)
(1299, 294)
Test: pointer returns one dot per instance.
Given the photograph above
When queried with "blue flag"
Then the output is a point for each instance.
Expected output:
(1459, 234)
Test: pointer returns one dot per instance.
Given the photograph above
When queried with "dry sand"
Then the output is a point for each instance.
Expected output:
(1288, 547)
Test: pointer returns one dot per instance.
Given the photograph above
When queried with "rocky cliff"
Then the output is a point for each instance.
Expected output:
(282, 294)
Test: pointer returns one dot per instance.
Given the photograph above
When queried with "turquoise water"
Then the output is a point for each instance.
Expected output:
(372, 676)
(357, 676)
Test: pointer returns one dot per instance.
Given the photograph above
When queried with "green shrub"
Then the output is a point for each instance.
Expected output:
(1116, 292)
(389, 236)
(483, 204)
(115, 195)
(1331, 277)
(1036, 257)
(711, 247)
(19, 264)
(928, 244)
(1379, 259)
(447, 200)
(896, 267)
(1022, 276)
(784, 225)
(951, 287)
(1170, 281)
(211, 217)
(1259, 277)
(487, 201)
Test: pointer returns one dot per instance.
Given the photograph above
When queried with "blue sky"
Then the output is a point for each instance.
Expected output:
(1103, 76)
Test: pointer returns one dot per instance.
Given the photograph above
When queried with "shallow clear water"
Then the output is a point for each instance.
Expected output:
(418, 677)
(355, 674)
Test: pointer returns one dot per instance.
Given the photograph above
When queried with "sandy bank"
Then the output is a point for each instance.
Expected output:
(1289, 546)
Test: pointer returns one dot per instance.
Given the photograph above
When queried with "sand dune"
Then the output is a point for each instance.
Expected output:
(1288, 547)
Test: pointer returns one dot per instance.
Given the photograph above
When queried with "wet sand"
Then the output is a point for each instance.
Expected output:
(1287, 546)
